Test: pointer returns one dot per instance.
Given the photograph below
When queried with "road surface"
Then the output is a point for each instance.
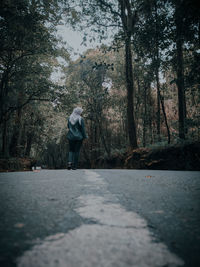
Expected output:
(93, 218)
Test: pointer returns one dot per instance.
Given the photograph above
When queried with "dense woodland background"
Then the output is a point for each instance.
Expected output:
(140, 91)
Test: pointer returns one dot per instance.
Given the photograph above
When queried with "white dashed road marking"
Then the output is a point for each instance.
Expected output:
(117, 238)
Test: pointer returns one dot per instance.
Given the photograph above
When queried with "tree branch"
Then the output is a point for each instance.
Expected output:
(107, 26)
(105, 4)
(6, 114)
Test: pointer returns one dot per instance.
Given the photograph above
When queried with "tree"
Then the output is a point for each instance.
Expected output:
(85, 80)
(120, 15)
(26, 46)
(150, 45)
(186, 20)
(179, 67)
(128, 18)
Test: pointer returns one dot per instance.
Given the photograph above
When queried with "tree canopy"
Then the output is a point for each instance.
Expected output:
(140, 89)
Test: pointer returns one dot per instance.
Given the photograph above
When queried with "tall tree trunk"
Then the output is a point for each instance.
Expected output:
(128, 20)
(158, 104)
(15, 140)
(138, 100)
(165, 117)
(102, 136)
(5, 151)
(150, 113)
(159, 98)
(160, 101)
(3, 94)
(151, 131)
(180, 72)
(157, 61)
(130, 100)
(29, 144)
(145, 116)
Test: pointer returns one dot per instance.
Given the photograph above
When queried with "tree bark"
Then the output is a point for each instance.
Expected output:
(102, 136)
(145, 116)
(158, 104)
(5, 151)
(128, 20)
(29, 144)
(165, 116)
(157, 61)
(180, 72)
(161, 101)
(150, 114)
(15, 140)
(130, 100)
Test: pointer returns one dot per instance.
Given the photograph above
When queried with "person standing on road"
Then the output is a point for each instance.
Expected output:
(75, 135)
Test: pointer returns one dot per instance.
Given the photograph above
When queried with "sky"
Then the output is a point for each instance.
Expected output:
(74, 40)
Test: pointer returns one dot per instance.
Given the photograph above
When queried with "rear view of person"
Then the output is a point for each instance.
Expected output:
(75, 135)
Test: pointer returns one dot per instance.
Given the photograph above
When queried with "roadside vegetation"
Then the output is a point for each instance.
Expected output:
(140, 94)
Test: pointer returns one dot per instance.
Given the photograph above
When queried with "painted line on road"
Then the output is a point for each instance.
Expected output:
(119, 238)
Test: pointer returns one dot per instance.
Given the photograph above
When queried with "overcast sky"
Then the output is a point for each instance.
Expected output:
(74, 40)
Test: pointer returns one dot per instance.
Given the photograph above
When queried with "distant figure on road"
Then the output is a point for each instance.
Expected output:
(75, 135)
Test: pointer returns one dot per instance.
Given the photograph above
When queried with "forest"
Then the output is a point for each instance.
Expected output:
(139, 88)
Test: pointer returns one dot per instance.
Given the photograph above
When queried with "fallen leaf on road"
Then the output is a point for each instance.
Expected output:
(148, 176)
(19, 225)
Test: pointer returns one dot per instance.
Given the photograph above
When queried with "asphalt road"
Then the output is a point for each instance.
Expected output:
(96, 218)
